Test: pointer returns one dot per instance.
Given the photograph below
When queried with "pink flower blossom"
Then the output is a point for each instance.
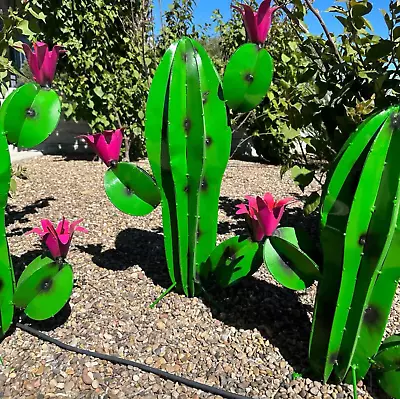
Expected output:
(263, 214)
(107, 145)
(257, 23)
(58, 240)
(42, 62)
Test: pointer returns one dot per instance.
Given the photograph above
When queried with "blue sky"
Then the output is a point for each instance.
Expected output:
(204, 10)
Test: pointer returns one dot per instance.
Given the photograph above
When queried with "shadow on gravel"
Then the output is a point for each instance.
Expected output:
(50, 324)
(13, 215)
(276, 312)
(134, 247)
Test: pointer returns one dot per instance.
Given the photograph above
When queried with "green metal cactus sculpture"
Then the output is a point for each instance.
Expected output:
(360, 272)
(188, 145)
(27, 117)
(188, 141)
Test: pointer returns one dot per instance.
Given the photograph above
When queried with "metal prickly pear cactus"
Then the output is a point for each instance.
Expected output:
(27, 117)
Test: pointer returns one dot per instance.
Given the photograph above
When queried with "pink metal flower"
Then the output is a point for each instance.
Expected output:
(258, 23)
(106, 145)
(58, 239)
(42, 62)
(263, 214)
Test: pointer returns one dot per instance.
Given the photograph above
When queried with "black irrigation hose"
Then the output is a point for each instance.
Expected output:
(126, 362)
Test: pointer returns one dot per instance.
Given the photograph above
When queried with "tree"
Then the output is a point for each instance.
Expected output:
(21, 19)
(110, 60)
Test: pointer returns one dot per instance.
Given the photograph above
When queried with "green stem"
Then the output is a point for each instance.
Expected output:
(353, 373)
(166, 292)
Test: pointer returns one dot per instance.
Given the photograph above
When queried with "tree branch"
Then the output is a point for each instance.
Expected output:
(324, 27)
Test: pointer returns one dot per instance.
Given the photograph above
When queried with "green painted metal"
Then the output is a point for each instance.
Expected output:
(360, 242)
(388, 357)
(131, 189)
(378, 241)
(158, 154)
(231, 261)
(188, 140)
(378, 308)
(389, 381)
(188, 144)
(6, 269)
(39, 270)
(337, 200)
(387, 366)
(27, 117)
(30, 115)
(247, 77)
(346, 161)
(361, 212)
(216, 155)
(45, 290)
(287, 262)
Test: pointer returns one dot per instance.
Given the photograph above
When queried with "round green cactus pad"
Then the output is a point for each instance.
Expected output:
(387, 366)
(232, 260)
(388, 357)
(29, 115)
(247, 77)
(44, 288)
(389, 381)
(131, 189)
(288, 264)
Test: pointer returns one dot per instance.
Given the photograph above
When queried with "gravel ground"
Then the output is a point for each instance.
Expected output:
(250, 340)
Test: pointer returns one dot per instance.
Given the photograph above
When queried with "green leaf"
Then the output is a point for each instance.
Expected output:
(23, 26)
(360, 9)
(380, 50)
(13, 186)
(312, 203)
(302, 176)
(98, 91)
(290, 133)
(396, 32)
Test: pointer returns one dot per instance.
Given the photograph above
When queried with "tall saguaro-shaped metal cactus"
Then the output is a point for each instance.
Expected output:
(361, 243)
(188, 144)
(360, 235)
